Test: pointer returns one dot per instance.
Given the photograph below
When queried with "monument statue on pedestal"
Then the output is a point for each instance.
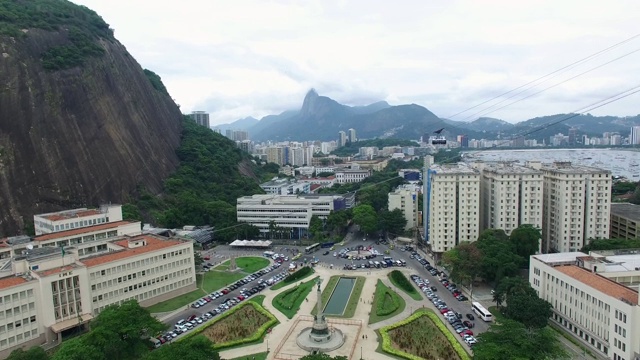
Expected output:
(318, 338)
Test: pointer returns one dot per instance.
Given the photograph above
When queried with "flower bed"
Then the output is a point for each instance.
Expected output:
(419, 336)
(245, 323)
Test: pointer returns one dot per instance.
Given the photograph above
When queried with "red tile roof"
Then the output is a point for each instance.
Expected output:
(153, 244)
(11, 281)
(600, 283)
(61, 234)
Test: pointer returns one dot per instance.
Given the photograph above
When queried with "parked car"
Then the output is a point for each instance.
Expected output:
(470, 317)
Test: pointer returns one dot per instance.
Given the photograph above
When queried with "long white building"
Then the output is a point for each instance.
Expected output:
(576, 205)
(76, 218)
(293, 212)
(594, 298)
(510, 196)
(47, 290)
(453, 203)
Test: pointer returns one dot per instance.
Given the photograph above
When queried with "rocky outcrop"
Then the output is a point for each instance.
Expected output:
(81, 136)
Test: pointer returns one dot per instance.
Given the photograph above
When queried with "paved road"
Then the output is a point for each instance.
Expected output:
(215, 302)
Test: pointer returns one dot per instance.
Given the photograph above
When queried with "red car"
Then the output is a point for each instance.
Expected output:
(445, 310)
(466, 332)
(225, 291)
(191, 318)
(207, 257)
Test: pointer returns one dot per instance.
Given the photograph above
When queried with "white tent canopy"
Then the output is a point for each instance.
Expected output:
(251, 243)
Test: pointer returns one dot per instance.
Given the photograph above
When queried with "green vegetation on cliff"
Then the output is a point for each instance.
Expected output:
(204, 189)
(82, 26)
(156, 81)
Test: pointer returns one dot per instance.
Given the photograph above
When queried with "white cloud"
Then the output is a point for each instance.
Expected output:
(252, 57)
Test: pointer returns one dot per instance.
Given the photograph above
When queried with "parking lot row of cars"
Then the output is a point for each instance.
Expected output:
(193, 321)
(461, 327)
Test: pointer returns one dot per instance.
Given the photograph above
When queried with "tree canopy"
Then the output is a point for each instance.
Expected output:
(322, 356)
(34, 353)
(611, 244)
(365, 216)
(193, 348)
(392, 221)
(525, 240)
(509, 340)
(463, 262)
(118, 332)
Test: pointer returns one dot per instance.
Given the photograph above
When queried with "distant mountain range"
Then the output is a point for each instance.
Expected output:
(321, 118)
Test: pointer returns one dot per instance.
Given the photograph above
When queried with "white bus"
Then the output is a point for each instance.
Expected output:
(482, 313)
(269, 254)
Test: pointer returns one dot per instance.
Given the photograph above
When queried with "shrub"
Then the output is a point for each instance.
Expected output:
(402, 282)
(302, 272)
(387, 304)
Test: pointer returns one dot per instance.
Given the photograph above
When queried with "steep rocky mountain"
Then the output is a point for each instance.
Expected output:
(80, 122)
(321, 118)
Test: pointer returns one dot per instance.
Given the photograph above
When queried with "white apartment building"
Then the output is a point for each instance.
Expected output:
(285, 187)
(407, 201)
(511, 195)
(286, 211)
(76, 218)
(594, 298)
(201, 118)
(342, 138)
(576, 205)
(352, 135)
(347, 176)
(453, 206)
(46, 291)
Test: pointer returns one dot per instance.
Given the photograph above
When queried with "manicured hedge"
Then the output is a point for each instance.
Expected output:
(401, 281)
(254, 338)
(288, 298)
(386, 339)
(381, 309)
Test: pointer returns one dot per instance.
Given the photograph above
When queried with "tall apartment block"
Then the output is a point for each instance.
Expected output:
(201, 118)
(342, 138)
(634, 137)
(576, 205)
(453, 194)
(352, 135)
(510, 196)
(405, 200)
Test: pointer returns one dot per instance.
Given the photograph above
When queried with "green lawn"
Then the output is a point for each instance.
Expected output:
(216, 280)
(258, 299)
(350, 310)
(404, 285)
(389, 299)
(304, 290)
(211, 281)
(251, 264)
(258, 356)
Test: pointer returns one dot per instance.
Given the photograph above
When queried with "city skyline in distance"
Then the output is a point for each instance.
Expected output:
(253, 58)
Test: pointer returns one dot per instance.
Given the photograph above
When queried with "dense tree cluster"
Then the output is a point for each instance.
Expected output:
(493, 256)
(204, 189)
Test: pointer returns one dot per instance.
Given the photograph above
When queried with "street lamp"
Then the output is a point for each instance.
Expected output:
(361, 353)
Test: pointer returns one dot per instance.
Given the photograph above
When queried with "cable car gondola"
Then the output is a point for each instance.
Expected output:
(438, 139)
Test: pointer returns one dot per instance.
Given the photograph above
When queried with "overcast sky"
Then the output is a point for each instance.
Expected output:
(236, 58)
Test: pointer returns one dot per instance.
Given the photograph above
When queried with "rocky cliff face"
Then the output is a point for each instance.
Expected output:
(80, 136)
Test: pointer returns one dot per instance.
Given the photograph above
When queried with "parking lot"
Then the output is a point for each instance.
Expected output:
(358, 255)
